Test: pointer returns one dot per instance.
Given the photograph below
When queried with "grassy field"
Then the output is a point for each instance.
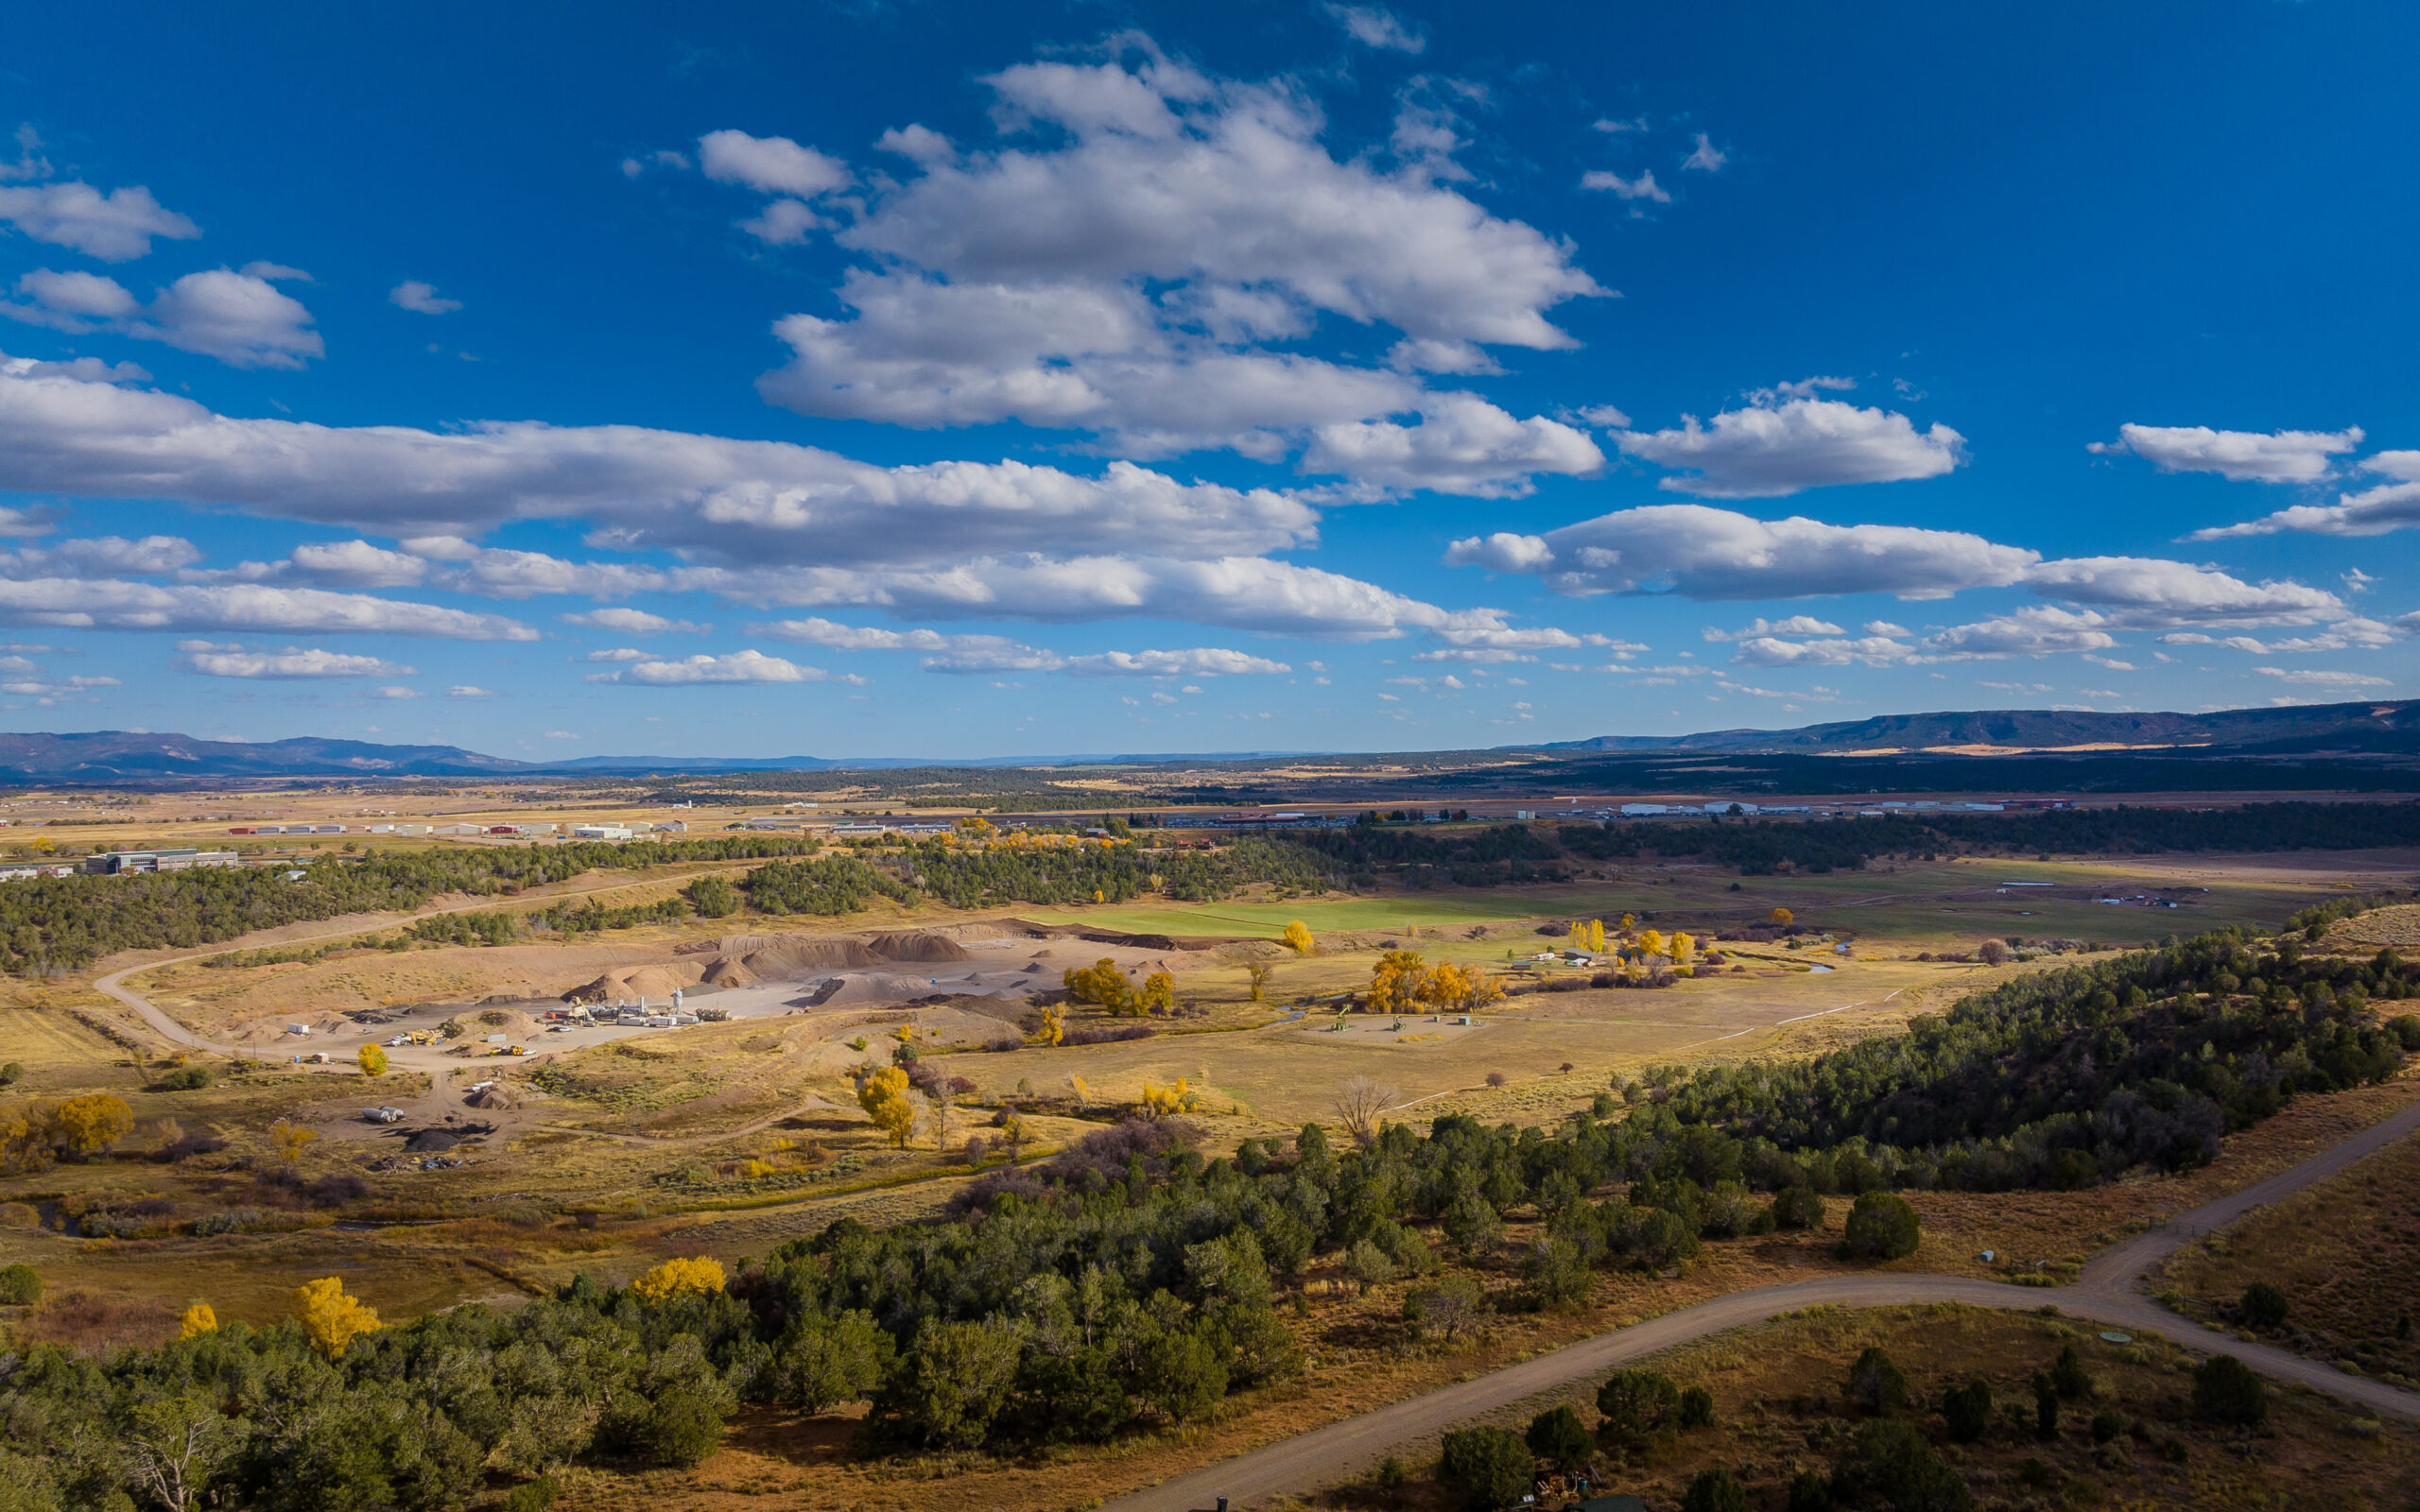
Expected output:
(2347, 1254)
(1779, 1410)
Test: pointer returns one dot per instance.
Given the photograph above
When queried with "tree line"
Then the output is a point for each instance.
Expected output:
(65, 923)
(2069, 1078)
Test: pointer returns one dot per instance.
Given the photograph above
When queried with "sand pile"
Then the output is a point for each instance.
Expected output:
(739, 959)
(918, 945)
(498, 1095)
(627, 984)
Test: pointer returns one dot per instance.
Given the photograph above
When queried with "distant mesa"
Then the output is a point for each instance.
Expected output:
(110, 757)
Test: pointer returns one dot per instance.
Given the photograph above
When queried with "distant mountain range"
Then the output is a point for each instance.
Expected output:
(104, 756)
(134, 756)
(2380, 725)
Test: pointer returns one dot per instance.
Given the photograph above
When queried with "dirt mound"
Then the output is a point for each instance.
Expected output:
(421, 1141)
(1091, 935)
(498, 1096)
(745, 958)
(918, 945)
(477, 1023)
(739, 959)
(624, 984)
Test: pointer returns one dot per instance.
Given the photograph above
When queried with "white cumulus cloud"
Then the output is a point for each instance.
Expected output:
(116, 603)
(220, 663)
(735, 666)
(1705, 553)
(115, 226)
(635, 622)
(2243, 456)
(2372, 512)
(243, 319)
(422, 299)
(1772, 449)
(2317, 677)
(1378, 26)
(1643, 187)
(1130, 279)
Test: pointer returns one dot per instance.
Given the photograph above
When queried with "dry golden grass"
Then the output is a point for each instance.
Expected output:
(2346, 1253)
(1778, 1410)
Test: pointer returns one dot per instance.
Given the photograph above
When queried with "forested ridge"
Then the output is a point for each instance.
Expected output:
(2068, 1078)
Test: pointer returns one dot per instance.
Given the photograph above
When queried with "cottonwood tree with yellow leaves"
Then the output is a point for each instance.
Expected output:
(289, 1139)
(1165, 1102)
(198, 1319)
(1298, 934)
(373, 1061)
(1396, 979)
(1258, 973)
(1053, 1027)
(884, 1096)
(1463, 989)
(92, 1123)
(1103, 984)
(1158, 994)
(331, 1320)
(697, 1273)
(1783, 916)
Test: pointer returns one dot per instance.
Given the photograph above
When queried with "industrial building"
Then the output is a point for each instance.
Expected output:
(183, 858)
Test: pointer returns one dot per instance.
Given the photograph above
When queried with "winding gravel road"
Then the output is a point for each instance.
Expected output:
(2107, 1293)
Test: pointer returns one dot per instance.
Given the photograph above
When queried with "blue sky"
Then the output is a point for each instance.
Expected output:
(967, 381)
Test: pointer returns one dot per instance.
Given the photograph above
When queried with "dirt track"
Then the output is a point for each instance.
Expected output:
(2105, 1293)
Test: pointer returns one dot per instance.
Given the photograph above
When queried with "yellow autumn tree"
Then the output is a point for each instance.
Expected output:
(1054, 1025)
(1596, 936)
(1629, 922)
(884, 1096)
(1395, 982)
(1298, 934)
(1784, 918)
(1163, 1102)
(1158, 994)
(1577, 936)
(289, 1139)
(330, 1319)
(1479, 989)
(1683, 946)
(696, 1273)
(1652, 941)
(1080, 1089)
(94, 1123)
(197, 1320)
(373, 1061)
(1102, 983)
(1258, 972)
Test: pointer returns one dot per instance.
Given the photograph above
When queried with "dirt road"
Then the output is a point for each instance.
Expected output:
(2106, 1293)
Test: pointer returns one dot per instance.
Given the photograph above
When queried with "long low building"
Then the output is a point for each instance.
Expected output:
(185, 858)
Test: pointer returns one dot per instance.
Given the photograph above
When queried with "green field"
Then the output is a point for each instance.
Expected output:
(1922, 904)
